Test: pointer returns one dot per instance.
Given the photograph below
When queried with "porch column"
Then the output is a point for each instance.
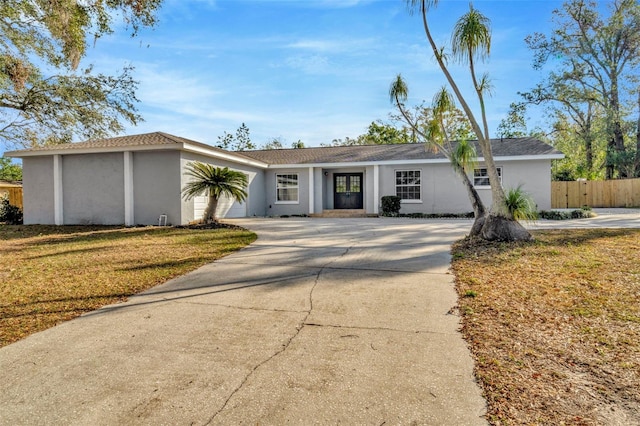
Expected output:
(376, 188)
(58, 213)
(312, 194)
(128, 189)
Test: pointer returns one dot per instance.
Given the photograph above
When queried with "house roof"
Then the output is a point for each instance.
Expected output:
(517, 148)
(511, 147)
(145, 141)
(156, 139)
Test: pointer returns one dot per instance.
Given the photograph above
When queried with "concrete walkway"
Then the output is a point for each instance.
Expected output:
(319, 322)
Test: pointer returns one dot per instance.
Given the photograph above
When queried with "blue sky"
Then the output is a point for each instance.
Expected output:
(313, 70)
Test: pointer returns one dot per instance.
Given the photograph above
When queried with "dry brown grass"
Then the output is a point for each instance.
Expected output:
(51, 274)
(554, 325)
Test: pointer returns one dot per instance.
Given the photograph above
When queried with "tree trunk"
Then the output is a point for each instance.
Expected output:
(210, 212)
(637, 169)
(499, 214)
(617, 138)
(497, 228)
(588, 142)
(610, 168)
(479, 211)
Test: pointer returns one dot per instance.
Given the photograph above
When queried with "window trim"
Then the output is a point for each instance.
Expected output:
(297, 175)
(474, 177)
(419, 185)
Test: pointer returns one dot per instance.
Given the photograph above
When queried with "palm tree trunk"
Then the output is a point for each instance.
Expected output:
(498, 205)
(210, 211)
(479, 211)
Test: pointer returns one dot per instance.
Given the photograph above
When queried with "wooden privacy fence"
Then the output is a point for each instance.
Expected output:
(600, 193)
(14, 192)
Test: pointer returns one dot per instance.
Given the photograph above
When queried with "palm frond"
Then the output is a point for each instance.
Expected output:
(398, 91)
(465, 155)
(520, 204)
(471, 36)
(214, 181)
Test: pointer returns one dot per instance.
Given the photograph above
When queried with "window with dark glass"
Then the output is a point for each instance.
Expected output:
(481, 177)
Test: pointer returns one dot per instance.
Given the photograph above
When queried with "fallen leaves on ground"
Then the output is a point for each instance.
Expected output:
(554, 325)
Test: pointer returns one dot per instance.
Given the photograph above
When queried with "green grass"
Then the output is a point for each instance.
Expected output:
(50, 274)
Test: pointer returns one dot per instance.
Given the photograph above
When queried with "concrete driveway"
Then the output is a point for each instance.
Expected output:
(319, 322)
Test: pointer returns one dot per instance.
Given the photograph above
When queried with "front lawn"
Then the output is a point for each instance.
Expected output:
(554, 325)
(50, 274)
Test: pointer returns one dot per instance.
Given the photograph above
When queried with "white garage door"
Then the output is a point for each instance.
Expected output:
(226, 207)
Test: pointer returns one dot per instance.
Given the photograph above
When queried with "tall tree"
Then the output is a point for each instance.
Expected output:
(514, 125)
(214, 182)
(385, 134)
(595, 61)
(44, 95)
(274, 143)
(638, 139)
(582, 138)
(241, 141)
(436, 133)
(9, 171)
(470, 42)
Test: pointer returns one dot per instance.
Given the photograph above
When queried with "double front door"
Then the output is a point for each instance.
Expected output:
(347, 191)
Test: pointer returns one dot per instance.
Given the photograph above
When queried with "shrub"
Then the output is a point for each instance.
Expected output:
(390, 205)
(583, 213)
(10, 214)
(520, 204)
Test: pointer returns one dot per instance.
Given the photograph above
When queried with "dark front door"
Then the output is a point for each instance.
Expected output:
(347, 191)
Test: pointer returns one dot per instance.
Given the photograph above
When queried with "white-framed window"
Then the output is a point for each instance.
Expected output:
(409, 185)
(287, 188)
(481, 177)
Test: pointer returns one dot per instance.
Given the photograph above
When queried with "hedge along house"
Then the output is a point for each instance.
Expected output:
(133, 180)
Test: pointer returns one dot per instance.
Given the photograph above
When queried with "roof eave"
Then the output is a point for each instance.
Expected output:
(177, 146)
(415, 161)
(224, 156)
(89, 150)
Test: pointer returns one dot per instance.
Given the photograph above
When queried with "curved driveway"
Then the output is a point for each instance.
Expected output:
(343, 321)
(318, 322)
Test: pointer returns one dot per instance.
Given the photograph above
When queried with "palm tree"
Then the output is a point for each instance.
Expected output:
(471, 41)
(214, 182)
(436, 136)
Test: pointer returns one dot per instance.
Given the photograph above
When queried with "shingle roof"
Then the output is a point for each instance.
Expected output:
(367, 153)
(145, 139)
(323, 155)
(156, 139)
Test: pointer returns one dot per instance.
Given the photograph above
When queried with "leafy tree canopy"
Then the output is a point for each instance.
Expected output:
(215, 183)
(9, 171)
(241, 141)
(278, 143)
(274, 143)
(592, 57)
(45, 97)
(378, 133)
